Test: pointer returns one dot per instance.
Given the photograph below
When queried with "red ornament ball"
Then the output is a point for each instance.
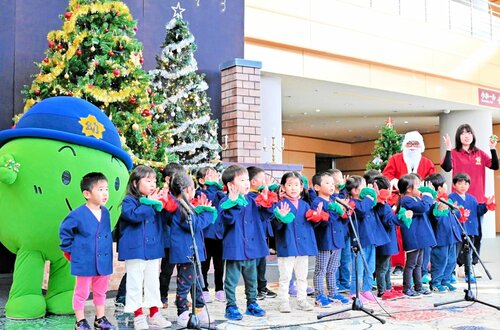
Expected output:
(135, 29)
(59, 46)
(120, 47)
(78, 52)
(70, 93)
(37, 92)
(111, 53)
(141, 60)
(51, 43)
(132, 100)
(68, 15)
(46, 60)
(116, 72)
(146, 112)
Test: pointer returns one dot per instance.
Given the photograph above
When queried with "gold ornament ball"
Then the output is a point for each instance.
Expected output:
(66, 76)
(171, 141)
(135, 127)
(92, 49)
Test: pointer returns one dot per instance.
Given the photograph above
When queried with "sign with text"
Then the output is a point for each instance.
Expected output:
(489, 98)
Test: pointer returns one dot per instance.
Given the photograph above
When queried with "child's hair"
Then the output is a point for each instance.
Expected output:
(294, 174)
(171, 169)
(406, 182)
(318, 177)
(461, 177)
(202, 172)
(140, 172)
(332, 171)
(178, 183)
(231, 172)
(458, 142)
(353, 182)
(381, 181)
(436, 179)
(253, 171)
(90, 179)
(370, 175)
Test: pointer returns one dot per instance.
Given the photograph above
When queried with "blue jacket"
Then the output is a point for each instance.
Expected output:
(268, 228)
(214, 194)
(389, 220)
(370, 230)
(181, 247)
(446, 229)
(476, 211)
(140, 231)
(89, 241)
(330, 235)
(244, 234)
(420, 234)
(297, 237)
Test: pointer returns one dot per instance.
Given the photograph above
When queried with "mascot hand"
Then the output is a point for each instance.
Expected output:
(8, 169)
(67, 256)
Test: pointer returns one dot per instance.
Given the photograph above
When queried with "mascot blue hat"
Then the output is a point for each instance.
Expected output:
(72, 120)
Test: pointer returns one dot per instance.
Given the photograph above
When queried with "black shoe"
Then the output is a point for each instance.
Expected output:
(120, 301)
(261, 295)
(82, 325)
(269, 293)
(102, 323)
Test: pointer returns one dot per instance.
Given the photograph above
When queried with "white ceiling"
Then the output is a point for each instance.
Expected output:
(346, 113)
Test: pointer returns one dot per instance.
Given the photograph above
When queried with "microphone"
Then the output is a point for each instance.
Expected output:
(344, 204)
(445, 202)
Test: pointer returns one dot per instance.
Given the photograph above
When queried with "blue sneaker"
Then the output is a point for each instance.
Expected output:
(470, 278)
(322, 301)
(292, 291)
(310, 291)
(255, 310)
(338, 298)
(453, 279)
(450, 287)
(232, 313)
(426, 279)
(438, 288)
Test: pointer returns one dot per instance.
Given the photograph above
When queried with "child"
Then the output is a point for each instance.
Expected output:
(181, 242)
(418, 234)
(330, 240)
(371, 234)
(208, 180)
(87, 243)
(140, 245)
(259, 181)
(461, 184)
(295, 241)
(447, 233)
(244, 240)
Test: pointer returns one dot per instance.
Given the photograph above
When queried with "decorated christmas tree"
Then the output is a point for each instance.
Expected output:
(96, 57)
(186, 105)
(386, 145)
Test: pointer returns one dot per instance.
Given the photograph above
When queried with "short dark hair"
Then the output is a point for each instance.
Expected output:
(458, 142)
(253, 171)
(137, 174)
(406, 182)
(90, 179)
(461, 177)
(318, 177)
(437, 180)
(202, 172)
(171, 169)
(231, 172)
(381, 181)
(370, 175)
(353, 182)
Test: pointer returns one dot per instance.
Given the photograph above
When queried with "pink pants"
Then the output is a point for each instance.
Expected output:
(82, 291)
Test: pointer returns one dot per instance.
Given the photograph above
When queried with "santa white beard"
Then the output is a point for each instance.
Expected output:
(412, 158)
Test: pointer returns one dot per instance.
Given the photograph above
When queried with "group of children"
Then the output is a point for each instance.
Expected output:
(232, 227)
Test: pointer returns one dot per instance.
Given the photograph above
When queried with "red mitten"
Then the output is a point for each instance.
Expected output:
(383, 195)
(463, 218)
(442, 195)
(195, 201)
(67, 256)
(393, 200)
(169, 204)
(267, 203)
(315, 216)
(491, 206)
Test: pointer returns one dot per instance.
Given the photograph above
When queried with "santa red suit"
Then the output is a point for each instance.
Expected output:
(396, 167)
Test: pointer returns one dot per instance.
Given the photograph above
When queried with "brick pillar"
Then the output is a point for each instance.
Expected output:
(241, 119)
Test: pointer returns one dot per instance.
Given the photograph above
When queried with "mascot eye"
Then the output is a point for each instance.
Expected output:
(66, 177)
(117, 183)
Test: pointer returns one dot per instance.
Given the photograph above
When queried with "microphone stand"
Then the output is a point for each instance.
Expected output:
(357, 249)
(468, 245)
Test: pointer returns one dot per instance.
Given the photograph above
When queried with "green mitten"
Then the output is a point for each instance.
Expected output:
(367, 191)
(289, 217)
(214, 183)
(429, 190)
(157, 205)
(205, 208)
(229, 203)
(402, 217)
(335, 207)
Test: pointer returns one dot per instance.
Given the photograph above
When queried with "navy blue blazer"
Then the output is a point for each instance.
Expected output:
(268, 228)
(330, 235)
(214, 194)
(370, 230)
(244, 233)
(141, 231)
(181, 242)
(297, 237)
(445, 227)
(389, 220)
(89, 241)
(476, 211)
(420, 234)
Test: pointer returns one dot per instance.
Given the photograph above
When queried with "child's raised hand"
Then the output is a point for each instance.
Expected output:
(492, 142)
(284, 208)
(320, 207)
(442, 206)
(155, 194)
(375, 187)
(233, 193)
(268, 181)
(203, 200)
(490, 200)
(467, 213)
(344, 179)
(409, 214)
(265, 193)
(447, 141)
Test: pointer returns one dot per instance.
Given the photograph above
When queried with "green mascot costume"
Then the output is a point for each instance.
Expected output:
(42, 161)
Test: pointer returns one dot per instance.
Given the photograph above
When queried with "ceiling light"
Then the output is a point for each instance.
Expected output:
(305, 113)
(337, 121)
(317, 110)
(406, 122)
(446, 111)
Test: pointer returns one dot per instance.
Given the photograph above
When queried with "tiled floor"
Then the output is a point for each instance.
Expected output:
(399, 314)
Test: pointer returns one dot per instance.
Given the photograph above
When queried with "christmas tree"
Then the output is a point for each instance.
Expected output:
(96, 57)
(186, 105)
(386, 145)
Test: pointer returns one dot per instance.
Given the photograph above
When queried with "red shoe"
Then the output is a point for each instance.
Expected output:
(397, 293)
(388, 295)
(397, 288)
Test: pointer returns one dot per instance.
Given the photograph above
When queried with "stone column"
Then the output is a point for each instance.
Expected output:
(241, 117)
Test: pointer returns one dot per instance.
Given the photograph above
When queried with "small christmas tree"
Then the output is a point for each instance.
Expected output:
(386, 145)
(96, 57)
(185, 105)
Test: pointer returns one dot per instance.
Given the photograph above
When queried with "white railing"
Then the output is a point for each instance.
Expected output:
(475, 18)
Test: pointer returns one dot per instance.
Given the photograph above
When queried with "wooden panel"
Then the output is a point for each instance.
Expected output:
(318, 145)
(352, 163)
(307, 159)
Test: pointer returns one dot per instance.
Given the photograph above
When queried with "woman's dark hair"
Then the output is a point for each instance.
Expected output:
(458, 143)
(353, 182)
(140, 172)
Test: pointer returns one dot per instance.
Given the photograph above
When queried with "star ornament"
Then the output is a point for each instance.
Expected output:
(389, 122)
(178, 11)
(92, 127)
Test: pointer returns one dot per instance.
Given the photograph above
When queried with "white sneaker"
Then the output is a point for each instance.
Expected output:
(460, 271)
(220, 296)
(477, 272)
(207, 298)
(202, 315)
(304, 305)
(285, 307)
(182, 320)
(158, 321)
(140, 322)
